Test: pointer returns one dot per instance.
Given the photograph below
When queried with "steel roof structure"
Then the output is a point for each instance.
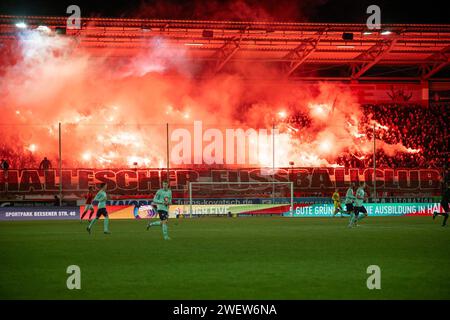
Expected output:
(306, 51)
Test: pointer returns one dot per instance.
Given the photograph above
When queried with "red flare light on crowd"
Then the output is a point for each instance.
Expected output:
(114, 112)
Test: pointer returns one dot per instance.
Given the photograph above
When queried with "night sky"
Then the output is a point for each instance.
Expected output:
(351, 11)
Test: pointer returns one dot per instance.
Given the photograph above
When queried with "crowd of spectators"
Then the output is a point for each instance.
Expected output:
(424, 129)
(420, 134)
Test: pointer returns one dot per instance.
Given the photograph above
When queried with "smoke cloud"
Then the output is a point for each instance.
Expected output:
(114, 111)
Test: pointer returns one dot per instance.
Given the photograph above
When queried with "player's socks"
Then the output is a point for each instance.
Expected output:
(155, 223)
(361, 216)
(92, 223)
(445, 219)
(106, 225)
(165, 231)
(352, 220)
(90, 215)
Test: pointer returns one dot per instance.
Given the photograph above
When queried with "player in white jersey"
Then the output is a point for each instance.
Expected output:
(359, 207)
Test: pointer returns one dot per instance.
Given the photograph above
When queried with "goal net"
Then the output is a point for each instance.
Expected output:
(240, 198)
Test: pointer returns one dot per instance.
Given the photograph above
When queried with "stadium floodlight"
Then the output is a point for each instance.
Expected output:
(21, 25)
(249, 198)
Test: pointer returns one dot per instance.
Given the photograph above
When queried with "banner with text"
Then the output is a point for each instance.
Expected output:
(373, 209)
(39, 213)
(141, 181)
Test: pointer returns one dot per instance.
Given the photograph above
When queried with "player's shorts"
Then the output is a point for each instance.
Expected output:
(163, 215)
(349, 207)
(89, 207)
(102, 212)
(359, 210)
(337, 204)
(444, 206)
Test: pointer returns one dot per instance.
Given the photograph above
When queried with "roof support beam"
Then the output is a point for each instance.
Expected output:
(225, 53)
(374, 54)
(435, 63)
(299, 55)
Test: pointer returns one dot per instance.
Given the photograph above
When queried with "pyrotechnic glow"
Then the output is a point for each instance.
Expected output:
(126, 138)
(353, 129)
(325, 146)
(320, 111)
(264, 159)
(97, 100)
(379, 126)
(311, 160)
(44, 29)
(292, 129)
(359, 157)
(87, 156)
(410, 150)
(282, 114)
(32, 147)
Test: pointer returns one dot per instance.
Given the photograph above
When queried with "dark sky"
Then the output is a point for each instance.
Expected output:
(352, 11)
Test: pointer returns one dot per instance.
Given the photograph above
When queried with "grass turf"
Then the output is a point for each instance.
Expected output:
(227, 258)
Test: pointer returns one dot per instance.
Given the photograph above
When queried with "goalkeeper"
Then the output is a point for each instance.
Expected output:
(337, 203)
(162, 199)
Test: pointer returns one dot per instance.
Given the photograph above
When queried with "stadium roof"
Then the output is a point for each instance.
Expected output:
(306, 51)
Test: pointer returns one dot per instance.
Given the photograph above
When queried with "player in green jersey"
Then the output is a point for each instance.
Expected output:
(101, 197)
(162, 199)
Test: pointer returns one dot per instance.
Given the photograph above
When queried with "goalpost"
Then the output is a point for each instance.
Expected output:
(241, 197)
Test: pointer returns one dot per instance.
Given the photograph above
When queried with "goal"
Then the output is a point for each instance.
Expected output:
(240, 198)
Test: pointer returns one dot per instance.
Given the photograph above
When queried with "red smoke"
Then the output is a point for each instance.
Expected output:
(113, 112)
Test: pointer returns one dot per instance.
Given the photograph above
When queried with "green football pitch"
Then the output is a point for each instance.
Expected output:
(227, 258)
